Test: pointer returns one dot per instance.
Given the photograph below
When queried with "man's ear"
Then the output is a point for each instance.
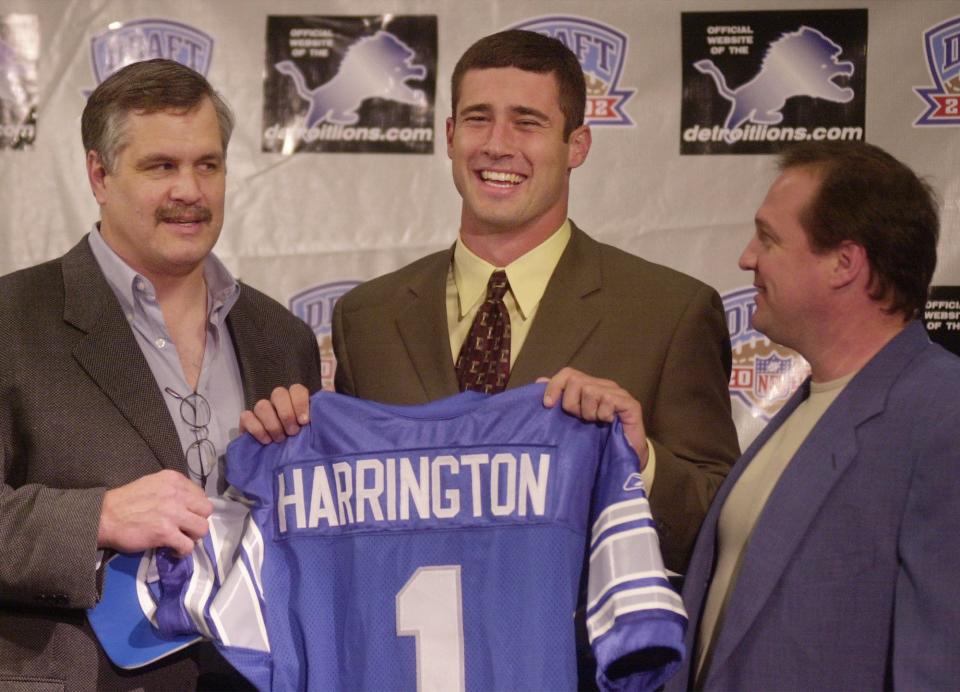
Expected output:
(579, 146)
(96, 174)
(450, 125)
(850, 264)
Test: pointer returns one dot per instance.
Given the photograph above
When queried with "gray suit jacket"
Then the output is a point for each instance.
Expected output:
(658, 333)
(80, 413)
(849, 580)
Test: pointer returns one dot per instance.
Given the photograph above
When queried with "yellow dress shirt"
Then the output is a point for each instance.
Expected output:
(528, 276)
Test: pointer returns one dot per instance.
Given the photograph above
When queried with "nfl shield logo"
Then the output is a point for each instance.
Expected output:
(772, 381)
(764, 374)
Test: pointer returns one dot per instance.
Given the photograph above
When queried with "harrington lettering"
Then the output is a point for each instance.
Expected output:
(396, 489)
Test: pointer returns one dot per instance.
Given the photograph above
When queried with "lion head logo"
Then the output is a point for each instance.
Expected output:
(376, 66)
(799, 63)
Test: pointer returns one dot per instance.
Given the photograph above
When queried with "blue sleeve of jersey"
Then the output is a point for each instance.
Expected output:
(175, 574)
(216, 591)
(635, 620)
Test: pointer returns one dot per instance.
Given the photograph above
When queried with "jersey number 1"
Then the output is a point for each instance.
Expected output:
(430, 609)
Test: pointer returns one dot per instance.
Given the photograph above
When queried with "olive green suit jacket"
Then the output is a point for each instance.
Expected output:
(658, 333)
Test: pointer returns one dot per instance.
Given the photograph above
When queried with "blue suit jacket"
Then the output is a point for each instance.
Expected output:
(851, 575)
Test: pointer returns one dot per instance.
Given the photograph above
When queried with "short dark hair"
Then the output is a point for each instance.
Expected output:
(148, 86)
(871, 198)
(531, 52)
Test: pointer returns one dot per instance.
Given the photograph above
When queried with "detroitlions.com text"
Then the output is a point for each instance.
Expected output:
(771, 133)
(328, 132)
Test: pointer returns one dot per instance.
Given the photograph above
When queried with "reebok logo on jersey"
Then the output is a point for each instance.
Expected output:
(633, 482)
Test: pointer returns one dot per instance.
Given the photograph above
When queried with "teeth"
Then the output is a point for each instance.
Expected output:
(502, 177)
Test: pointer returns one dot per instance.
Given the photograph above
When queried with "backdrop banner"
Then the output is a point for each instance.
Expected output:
(338, 170)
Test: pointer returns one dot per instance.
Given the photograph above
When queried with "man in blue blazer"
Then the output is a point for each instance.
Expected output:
(829, 559)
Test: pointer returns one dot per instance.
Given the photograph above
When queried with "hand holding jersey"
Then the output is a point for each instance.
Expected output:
(595, 399)
(162, 509)
(280, 416)
(588, 398)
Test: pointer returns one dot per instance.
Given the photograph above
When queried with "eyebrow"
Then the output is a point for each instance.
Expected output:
(152, 159)
(762, 226)
(526, 110)
(514, 110)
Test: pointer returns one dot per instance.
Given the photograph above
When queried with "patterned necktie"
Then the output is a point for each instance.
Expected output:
(484, 361)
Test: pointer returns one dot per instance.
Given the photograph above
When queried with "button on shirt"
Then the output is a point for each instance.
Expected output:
(220, 383)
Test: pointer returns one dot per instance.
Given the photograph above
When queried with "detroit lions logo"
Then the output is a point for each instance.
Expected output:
(799, 63)
(376, 66)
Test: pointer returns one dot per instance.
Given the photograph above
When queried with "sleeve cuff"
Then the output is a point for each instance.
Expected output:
(650, 470)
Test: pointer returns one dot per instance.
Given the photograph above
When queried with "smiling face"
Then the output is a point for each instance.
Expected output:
(161, 209)
(792, 281)
(511, 164)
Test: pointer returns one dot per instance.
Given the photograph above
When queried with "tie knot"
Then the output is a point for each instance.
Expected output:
(498, 285)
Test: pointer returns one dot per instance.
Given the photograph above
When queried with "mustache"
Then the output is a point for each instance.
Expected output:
(183, 213)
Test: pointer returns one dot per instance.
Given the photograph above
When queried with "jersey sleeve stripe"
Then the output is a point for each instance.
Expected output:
(200, 592)
(633, 600)
(620, 513)
(147, 574)
(623, 556)
(632, 580)
(237, 612)
(251, 552)
(226, 532)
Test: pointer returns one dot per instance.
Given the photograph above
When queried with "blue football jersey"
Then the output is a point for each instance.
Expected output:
(444, 546)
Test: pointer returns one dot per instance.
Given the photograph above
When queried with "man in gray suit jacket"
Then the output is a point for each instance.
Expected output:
(124, 366)
(614, 330)
(829, 559)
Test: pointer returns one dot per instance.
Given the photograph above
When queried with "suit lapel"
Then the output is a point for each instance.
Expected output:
(703, 559)
(423, 330)
(705, 549)
(260, 359)
(804, 486)
(567, 315)
(108, 352)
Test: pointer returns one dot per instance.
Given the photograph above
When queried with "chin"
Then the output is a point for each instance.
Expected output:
(495, 220)
(188, 258)
(500, 224)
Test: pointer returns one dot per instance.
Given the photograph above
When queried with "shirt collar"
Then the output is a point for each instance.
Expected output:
(528, 274)
(222, 287)
(127, 284)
